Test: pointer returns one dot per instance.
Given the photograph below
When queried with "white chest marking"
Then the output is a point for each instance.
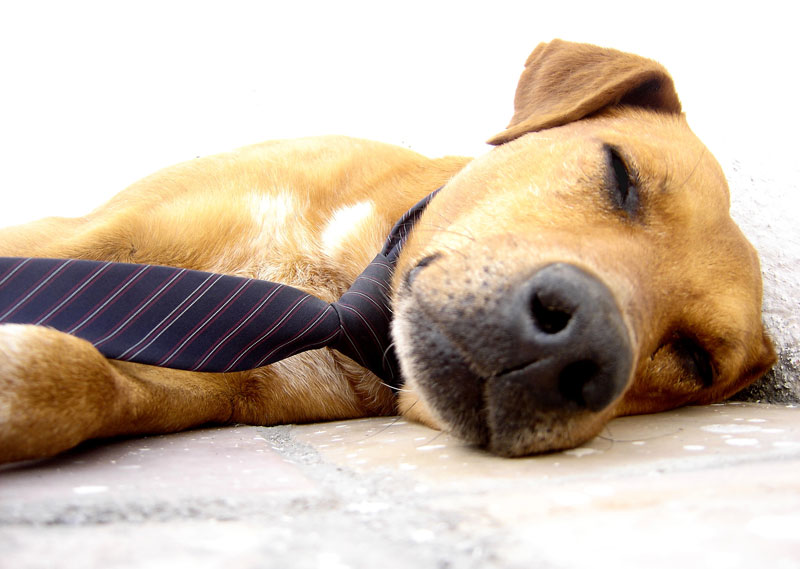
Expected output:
(343, 223)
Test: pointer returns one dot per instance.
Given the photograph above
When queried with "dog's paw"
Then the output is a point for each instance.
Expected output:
(53, 390)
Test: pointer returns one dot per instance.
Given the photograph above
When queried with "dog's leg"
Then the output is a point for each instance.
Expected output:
(57, 390)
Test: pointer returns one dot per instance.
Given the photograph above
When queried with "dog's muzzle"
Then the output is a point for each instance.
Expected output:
(507, 363)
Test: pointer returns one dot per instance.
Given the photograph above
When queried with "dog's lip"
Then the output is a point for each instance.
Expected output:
(455, 374)
(513, 370)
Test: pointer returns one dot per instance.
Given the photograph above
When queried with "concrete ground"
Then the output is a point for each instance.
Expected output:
(710, 487)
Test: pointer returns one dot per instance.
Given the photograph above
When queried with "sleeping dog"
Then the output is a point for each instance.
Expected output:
(583, 269)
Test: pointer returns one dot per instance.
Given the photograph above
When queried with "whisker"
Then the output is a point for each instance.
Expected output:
(468, 235)
(653, 438)
(383, 359)
(437, 229)
(412, 405)
(398, 389)
(387, 350)
(387, 427)
(393, 388)
(697, 165)
(455, 251)
(431, 441)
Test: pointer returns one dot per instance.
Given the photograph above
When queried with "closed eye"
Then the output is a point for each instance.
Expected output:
(622, 184)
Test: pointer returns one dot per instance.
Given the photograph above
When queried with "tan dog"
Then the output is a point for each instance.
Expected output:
(584, 269)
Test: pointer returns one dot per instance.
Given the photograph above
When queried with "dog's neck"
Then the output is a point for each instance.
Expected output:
(57, 292)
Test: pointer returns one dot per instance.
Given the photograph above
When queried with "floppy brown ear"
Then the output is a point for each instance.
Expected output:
(564, 82)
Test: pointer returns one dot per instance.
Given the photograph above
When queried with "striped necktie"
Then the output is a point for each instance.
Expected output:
(201, 321)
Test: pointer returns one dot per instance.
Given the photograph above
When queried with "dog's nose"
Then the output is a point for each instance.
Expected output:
(572, 346)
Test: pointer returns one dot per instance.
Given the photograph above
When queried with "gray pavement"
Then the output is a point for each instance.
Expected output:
(702, 487)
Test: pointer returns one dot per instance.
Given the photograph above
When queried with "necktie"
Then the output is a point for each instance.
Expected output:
(203, 321)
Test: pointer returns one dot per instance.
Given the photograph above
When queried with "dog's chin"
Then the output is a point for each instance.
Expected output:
(473, 409)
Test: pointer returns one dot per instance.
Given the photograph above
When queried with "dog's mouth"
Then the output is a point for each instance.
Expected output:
(519, 368)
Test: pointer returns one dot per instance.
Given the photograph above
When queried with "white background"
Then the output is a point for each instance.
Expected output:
(94, 95)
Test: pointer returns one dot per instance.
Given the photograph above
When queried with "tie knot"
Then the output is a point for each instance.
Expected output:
(365, 318)
(365, 312)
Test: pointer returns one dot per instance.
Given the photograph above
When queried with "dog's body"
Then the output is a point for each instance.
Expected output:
(599, 200)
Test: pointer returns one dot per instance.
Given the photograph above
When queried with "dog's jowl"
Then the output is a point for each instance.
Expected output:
(584, 268)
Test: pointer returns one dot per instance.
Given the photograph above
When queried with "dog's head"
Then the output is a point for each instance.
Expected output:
(584, 269)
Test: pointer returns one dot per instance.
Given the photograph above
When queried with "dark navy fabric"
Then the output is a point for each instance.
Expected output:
(203, 321)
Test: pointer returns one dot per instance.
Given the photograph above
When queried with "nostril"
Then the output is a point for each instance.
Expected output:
(549, 318)
(574, 379)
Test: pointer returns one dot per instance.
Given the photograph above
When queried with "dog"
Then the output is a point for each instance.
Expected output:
(583, 269)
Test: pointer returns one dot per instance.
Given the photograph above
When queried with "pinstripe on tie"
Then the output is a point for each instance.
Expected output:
(202, 321)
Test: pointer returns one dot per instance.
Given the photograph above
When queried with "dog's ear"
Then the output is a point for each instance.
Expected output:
(564, 82)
